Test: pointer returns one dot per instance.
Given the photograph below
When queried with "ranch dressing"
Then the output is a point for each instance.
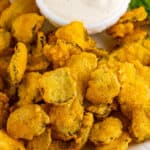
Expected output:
(88, 11)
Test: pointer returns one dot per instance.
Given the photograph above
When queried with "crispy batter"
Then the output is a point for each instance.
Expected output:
(30, 23)
(5, 38)
(18, 63)
(17, 8)
(3, 110)
(106, 131)
(41, 142)
(81, 66)
(75, 33)
(65, 127)
(4, 61)
(100, 111)
(140, 127)
(7, 143)
(138, 14)
(30, 119)
(131, 52)
(57, 86)
(3, 5)
(28, 91)
(83, 133)
(121, 143)
(60, 52)
(134, 90)
(103, 86)
(127, 23)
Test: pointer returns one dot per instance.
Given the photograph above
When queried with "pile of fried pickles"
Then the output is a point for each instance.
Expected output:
(58, 91)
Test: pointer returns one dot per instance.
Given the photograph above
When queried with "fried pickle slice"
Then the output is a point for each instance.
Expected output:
(30, 119)
(75, 33)
(122, 143)
(83, 133)
(128, 23)
(134, 91)
(106, 131)
(5, 39)
(81, 65)
(57, 86)
(60, 52)
(41, 142)
(17, 8)
(30, 23)
(28, 91)
(100, 111)
(7, 143)
(140, 124)
(65, 127)
(103, 86)
(133, 51)
(18, 63)
(4, 109)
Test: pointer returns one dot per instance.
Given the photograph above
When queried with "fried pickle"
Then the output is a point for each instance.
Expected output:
(31, 121)
(18, 63)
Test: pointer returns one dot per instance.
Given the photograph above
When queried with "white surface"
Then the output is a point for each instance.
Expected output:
(102, 22)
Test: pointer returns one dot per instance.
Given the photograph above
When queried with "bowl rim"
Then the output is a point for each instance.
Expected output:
(58, 21)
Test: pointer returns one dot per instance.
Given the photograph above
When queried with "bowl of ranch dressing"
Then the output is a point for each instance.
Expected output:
(97, 15)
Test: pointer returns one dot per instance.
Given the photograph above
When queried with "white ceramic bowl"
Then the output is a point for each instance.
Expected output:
(92, 28)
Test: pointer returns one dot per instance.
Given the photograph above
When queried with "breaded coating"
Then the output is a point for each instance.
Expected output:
(4, 61)
(60, 52)
(59, 145)
(30, 23)
(134, 92)
(137, 14)
(31, 121)
(143, 71)
(5, 38)
(103, 86)
(100, 111)
(3, 5)
(70, 117)
(4, 110)
(41, 142)
(137, 35)
(122, 143)
(75, 33)
(83, 133)
(28, 91)
(7, 143)
(40, 43)
(37, 63)
(121, 29)
(127, 23)
(36, 60)
(57, 86)
(18, 63)
(17, 8)
(131, 52)
(140, 126)
(106, 131)
(81, 66)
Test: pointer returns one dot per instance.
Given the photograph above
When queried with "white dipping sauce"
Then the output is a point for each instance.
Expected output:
(88, 11)
(91, 12)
